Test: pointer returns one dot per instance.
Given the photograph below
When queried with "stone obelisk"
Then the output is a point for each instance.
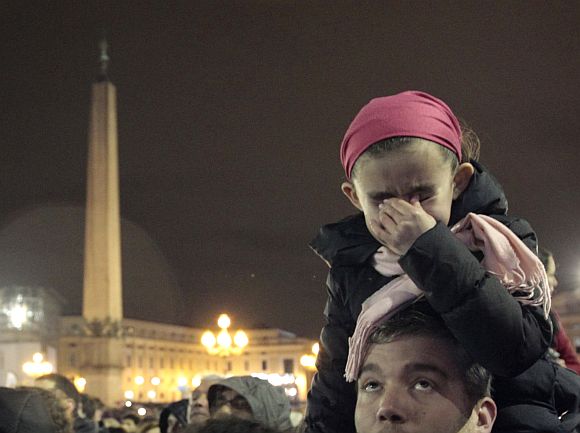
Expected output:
(102, 289)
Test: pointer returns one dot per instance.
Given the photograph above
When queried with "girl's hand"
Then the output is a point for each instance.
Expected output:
(400, 223)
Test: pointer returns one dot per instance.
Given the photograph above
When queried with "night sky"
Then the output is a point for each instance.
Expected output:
(230, 118)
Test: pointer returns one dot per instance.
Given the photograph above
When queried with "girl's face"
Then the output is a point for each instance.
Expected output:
(418, 170)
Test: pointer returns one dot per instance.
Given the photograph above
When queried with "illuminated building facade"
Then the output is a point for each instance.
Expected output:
(162, 363)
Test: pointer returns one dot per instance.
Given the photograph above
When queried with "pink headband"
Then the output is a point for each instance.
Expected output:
(407, 114)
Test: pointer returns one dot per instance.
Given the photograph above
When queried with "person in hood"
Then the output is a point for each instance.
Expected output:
(250, 398)
(33, 410)
(411, 171)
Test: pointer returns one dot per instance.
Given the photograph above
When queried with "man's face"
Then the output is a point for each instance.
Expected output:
(230, 403)
(418, 170)
(413, 385)
(198, 404)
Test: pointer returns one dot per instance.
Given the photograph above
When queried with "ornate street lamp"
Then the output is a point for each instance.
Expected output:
(223, 344)
(38, 366)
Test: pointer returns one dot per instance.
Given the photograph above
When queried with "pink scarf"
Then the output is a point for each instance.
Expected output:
(505, 256)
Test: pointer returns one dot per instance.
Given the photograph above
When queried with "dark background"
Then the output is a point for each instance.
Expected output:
(230, 118)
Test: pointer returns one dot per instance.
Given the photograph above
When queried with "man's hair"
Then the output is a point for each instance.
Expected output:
(420, 319)
(62, 383)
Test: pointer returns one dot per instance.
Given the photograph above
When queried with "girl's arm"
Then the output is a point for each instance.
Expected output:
(501, 334)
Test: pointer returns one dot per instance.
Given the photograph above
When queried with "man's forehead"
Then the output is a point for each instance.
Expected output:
(411, 353)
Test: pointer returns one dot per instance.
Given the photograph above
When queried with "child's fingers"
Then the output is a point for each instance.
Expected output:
(388, 222)
(390, 208)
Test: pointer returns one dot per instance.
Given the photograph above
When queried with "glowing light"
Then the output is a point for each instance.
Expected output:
(37, 367)
(315, 348)
(128, 404)
(80, 383)
(224, 321)
(301, 381)
(151, 394)
(196, 381)
(291, 392)
(17, 315)
(141, 411)
(308, 361)
(223, 344)
(241, 339)
(181, 381)
(139, 380)
(208, 339)
(224, 339)
(155, 381)
(129, 395)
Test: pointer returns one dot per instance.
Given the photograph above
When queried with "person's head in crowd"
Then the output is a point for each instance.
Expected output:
(250, 398)
(33, 410)
(198, 411)
(92, 407)
(230, 424)
(63, 387)
(116, 430)
(130, 422)
(549, 263)
(149, 427)
(417, 378)
(173, 417)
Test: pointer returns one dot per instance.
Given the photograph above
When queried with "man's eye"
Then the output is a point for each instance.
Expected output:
(423, 385)
(370, 386)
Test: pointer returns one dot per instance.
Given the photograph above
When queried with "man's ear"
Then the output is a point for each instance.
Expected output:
(486, 413)
(350, 192)
(461, 179)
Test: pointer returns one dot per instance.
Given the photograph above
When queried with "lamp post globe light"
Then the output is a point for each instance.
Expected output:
(223, 344)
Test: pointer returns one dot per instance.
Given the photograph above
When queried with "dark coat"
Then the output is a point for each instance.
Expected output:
(494, 328)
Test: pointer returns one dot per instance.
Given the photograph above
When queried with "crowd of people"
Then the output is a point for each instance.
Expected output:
(439, 313)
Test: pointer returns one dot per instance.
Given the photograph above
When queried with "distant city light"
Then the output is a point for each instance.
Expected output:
(291, 392)
(182, 381)
(142, 411)
(315, 348)
(128, 404)
(155, 381)
(17, 315)
(151, 394)
(196, 381)
(139, 380)
(80, 384)
(129, 395)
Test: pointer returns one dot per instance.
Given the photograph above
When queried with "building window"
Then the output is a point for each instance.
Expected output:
(128, 360)
(161, 362)
(264, 365)
(229, 366)
(288, 366)
(140, 361)
(247, 365)
(72, 359)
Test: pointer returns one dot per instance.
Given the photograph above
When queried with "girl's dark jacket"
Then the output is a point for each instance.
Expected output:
(495, 329)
